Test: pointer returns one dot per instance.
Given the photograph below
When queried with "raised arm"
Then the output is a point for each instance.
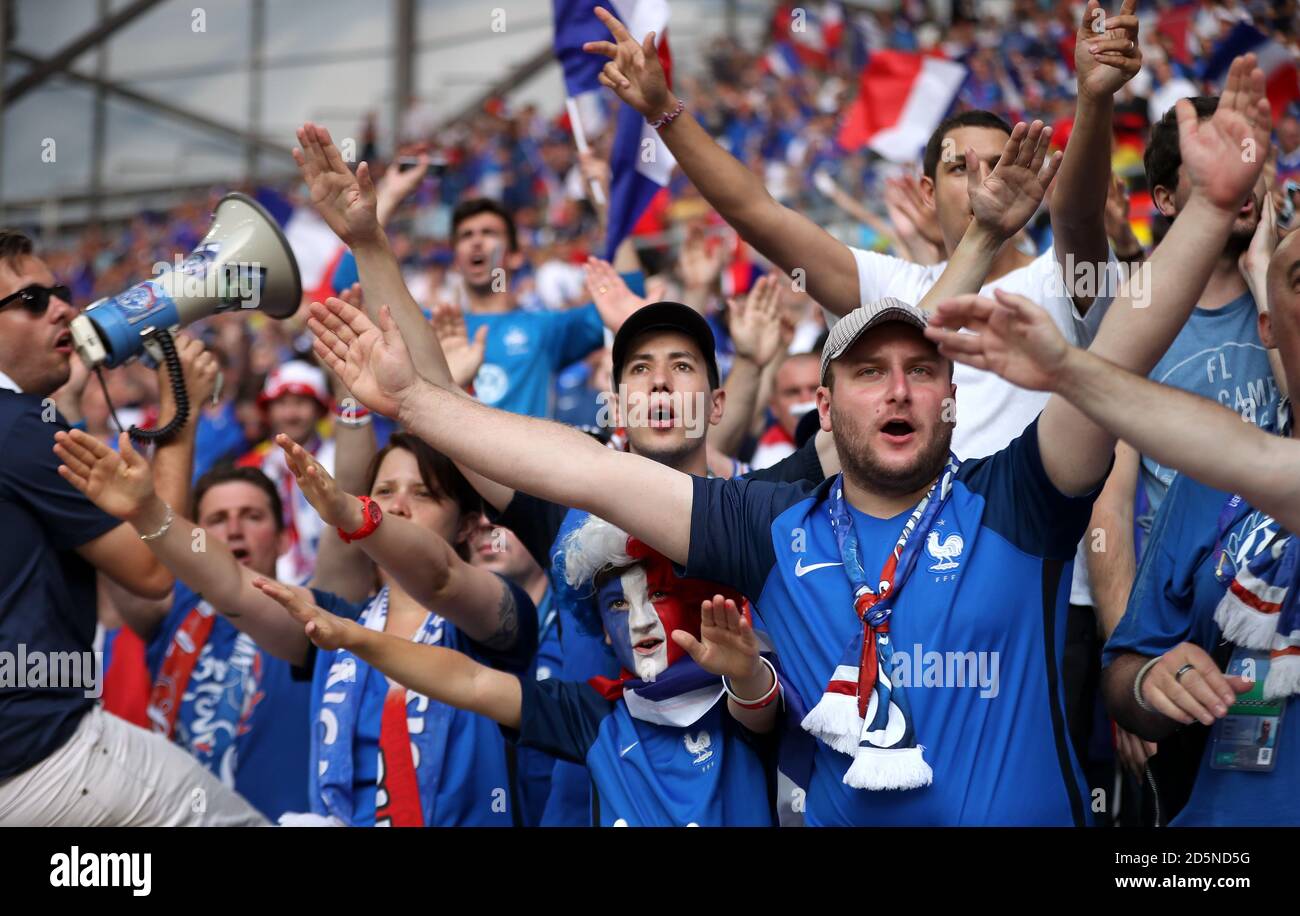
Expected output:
(344, 569)
(122, 485)
(1153, 305)
(424, 564)
(348, 204)
(1002, 201)
(785, 237)
(755, 325)
(648, 500)
(1106, 56)
(1018, 341)
(173, 467)
(442, 675)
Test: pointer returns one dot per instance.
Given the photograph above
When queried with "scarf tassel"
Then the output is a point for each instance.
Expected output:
(1243, 624)
(835, 718)
(1283, 677)
(878, 768)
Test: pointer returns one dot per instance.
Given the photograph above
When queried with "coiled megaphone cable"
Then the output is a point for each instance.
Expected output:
(176, 375)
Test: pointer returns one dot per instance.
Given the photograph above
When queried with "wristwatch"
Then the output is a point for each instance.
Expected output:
(373, 516)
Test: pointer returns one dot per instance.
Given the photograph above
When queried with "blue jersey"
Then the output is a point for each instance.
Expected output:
(978, 632)
(244, 704)
(526, 349)
(536, 767)
(713, 773)
(583, 654)
(474, 782)
(1178, 585)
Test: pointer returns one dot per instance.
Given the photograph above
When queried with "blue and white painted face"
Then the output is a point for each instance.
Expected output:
(632, 624)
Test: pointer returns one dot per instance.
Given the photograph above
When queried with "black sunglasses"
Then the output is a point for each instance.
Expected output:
(36, 299)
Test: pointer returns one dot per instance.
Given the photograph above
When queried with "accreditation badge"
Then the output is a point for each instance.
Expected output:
(1246, 738)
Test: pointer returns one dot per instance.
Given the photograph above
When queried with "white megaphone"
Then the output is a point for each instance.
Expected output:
(244, 262)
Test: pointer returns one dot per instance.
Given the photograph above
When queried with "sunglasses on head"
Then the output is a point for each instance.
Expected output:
(36, 299)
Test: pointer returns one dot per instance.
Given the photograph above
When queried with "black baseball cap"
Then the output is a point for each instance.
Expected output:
(666, 316)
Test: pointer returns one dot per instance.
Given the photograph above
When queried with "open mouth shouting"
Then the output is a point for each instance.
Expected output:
(242, 555)
(63, 343)
(897, 432)
(661, 416)
(648, 646)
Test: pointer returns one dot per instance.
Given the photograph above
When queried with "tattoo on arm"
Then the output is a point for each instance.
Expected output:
(507, 632)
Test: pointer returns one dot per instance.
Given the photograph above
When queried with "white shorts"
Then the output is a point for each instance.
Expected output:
(114, 774)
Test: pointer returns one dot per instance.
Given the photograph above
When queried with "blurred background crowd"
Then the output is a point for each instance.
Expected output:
(777, 103)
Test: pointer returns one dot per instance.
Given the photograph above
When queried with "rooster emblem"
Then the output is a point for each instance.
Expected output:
(946, 551)
(698, 746)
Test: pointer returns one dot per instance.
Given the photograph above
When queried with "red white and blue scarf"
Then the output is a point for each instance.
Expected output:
(202, 702)
(1260, 611)
(413, 732)
(861, 712)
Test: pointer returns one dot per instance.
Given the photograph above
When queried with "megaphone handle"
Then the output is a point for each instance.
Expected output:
(176, 375)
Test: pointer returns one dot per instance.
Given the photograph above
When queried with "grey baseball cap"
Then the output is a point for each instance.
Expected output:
(862, 319)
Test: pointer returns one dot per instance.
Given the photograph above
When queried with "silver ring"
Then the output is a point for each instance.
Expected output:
(1178, 675)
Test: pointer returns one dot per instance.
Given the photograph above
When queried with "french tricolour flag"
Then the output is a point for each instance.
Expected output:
(1275, 60)
(782, 60)
(902, 97)
(640, 164)
(811, 35)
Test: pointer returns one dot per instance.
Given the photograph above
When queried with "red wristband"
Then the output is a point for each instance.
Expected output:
(373, 516)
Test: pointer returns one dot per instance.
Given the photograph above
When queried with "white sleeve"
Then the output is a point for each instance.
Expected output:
(1046, 282)
(881, 275)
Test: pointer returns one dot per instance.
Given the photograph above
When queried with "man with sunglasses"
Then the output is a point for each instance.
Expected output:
(63, 760)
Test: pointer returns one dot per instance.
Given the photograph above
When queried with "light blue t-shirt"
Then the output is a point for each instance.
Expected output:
(524, 352)
(1217, 355)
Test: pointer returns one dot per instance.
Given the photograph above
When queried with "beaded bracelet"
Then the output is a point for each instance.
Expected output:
(664, 120)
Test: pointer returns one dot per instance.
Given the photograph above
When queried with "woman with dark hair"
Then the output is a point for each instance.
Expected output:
(381, 754)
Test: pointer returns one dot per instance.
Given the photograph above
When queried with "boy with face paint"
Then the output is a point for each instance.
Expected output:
(661, 749)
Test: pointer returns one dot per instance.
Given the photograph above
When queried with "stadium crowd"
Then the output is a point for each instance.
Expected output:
(370, 585)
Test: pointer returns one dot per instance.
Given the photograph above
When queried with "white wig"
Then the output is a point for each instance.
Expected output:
(593, 546)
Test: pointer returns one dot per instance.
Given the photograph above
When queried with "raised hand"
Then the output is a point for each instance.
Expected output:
(464, 356)
(1107, 59)
(1224, 154)
(354, 296)
(755, 321)
(396, 186)
(1011, 337)
(1004, 199)
(371, 361)
(120, 483)
(345, 201)
(327, 631)
(1253, 262)
(614, 300)
(332, 504)
(727, 645)
(1118, 228)
(913, 218)
(698, 264)
(633, 71)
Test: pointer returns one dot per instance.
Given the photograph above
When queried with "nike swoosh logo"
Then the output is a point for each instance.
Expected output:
(628, 748)
(800, 570)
